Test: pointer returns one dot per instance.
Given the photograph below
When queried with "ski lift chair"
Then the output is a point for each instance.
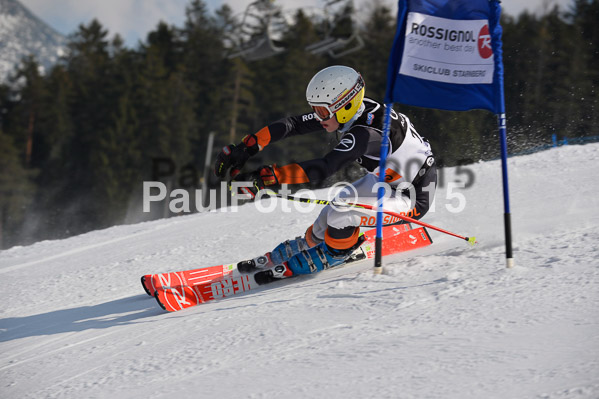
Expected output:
(256, 24)
(258, 49)
(335, 46)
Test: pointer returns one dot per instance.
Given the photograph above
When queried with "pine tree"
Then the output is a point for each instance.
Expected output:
(205, 68)
(583, 16)
(280, 87)
(371, 61)
(16, 192)
(28, 108)
(164, 101)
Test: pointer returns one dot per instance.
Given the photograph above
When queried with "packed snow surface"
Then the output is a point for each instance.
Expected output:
(449, 321)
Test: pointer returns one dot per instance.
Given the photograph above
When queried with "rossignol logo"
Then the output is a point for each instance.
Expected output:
(388, 219)
(391, 175)
(307, 117)
(484, 42)
(346, 143)
(438, 33)
(447, 50)
(175, 291)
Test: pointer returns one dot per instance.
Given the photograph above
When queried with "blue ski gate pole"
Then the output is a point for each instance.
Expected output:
(378, 243)
(500, 100)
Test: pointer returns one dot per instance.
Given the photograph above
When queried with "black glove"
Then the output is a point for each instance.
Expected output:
(263, 177)
(232, 157)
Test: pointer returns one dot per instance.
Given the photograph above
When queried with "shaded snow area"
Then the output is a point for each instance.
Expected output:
(449, 321)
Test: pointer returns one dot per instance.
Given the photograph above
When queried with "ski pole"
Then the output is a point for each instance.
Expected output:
(469, 240)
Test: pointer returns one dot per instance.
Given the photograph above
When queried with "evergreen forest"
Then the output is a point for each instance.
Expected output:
(78, 141)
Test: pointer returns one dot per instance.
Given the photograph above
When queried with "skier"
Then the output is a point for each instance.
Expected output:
(336, 95)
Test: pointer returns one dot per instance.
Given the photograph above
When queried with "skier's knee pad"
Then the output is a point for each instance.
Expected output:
(341, 238)
(310, 238)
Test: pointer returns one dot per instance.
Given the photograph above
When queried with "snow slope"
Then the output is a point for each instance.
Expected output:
(447, 322)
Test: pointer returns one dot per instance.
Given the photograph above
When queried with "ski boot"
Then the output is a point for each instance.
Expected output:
(248, 266)
(323, 257)
(274, 273)
(311, 260)
(277, 256)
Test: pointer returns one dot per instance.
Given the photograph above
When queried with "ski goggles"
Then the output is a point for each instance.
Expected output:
(322, 112)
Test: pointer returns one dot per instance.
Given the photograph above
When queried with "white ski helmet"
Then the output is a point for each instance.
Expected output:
(336, 90)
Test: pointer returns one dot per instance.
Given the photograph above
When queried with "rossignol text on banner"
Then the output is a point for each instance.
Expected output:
(447, 50)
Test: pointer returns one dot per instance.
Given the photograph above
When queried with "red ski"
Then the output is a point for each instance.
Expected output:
(187, 277)
(207, 274)
(180, 290)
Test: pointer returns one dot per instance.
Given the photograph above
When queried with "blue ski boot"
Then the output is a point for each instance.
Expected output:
(308, 261)
(277, 256)
(323, 257)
